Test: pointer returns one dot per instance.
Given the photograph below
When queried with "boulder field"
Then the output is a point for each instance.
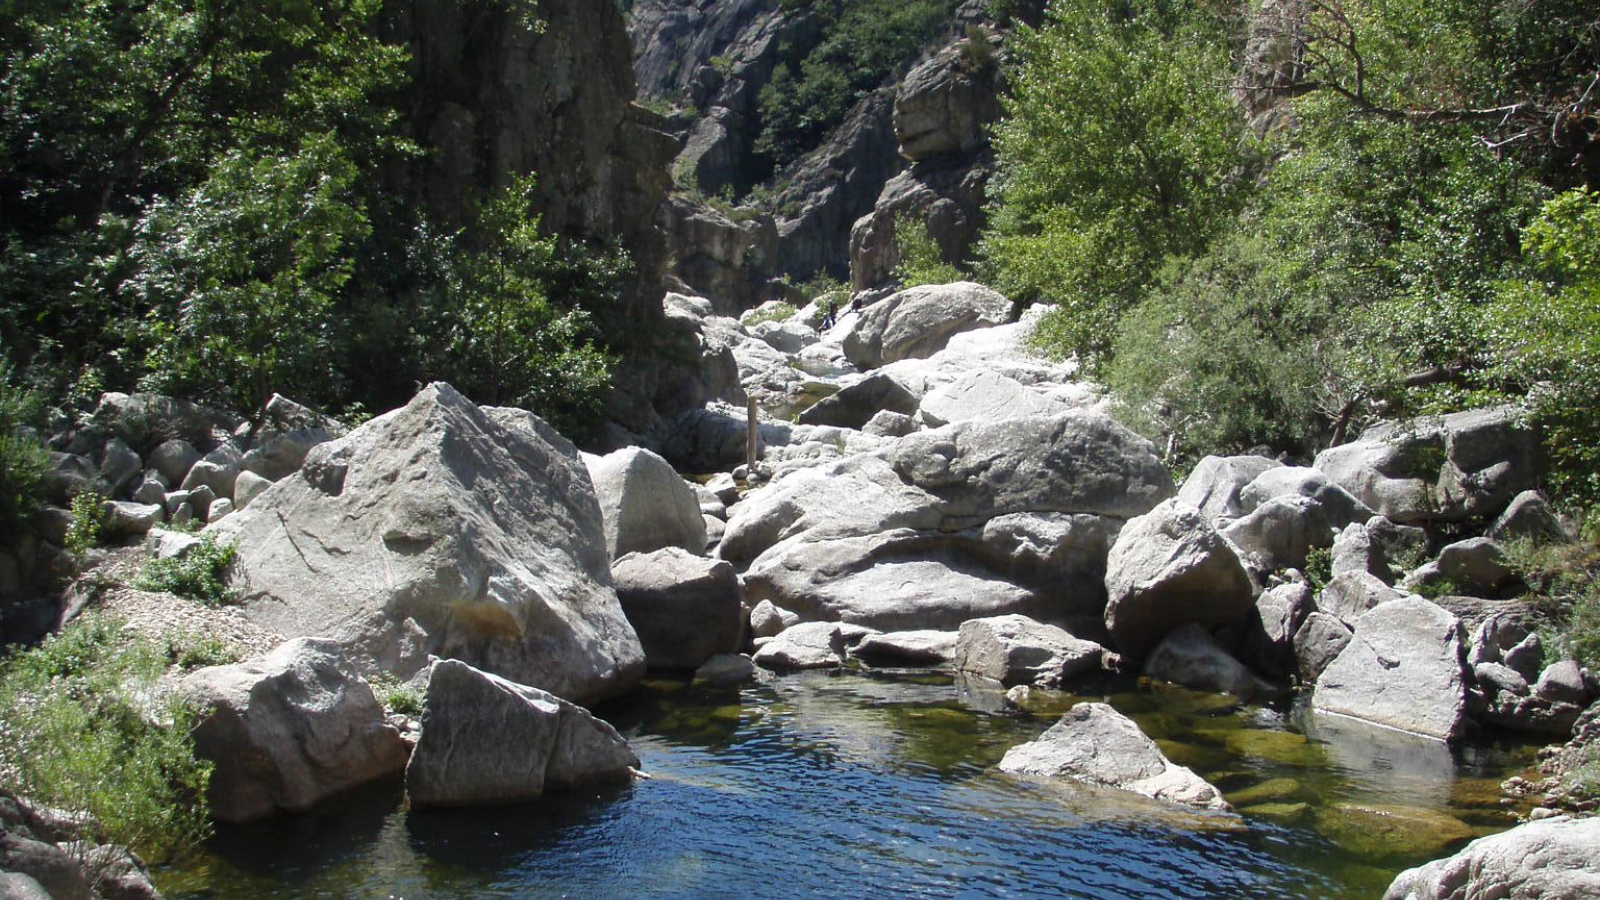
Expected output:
(933, 494)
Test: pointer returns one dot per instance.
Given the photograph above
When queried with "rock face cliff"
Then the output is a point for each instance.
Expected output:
(492, 97)
(915, 146)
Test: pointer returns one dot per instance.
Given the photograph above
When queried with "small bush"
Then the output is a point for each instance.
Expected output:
(778, 312)
(86, 731)
(398, 698)
(188, 650)
(1564, 584)
(1319, 568)
(920, 260)
(201, 574)
(88, 519)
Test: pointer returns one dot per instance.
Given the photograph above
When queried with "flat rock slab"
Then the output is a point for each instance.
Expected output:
(1404, 668)
(1097, 745)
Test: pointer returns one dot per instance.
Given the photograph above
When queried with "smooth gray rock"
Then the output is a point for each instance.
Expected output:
(1563, 681)
(1214, 485)
(119, 465)
(1190, 656)
(887, 423)
(1476, 567)
(121, 518)
(856, 404)
(289, 730)
(151, 488)
(685, 608)
(17, 886)
(146, 420)
(1355, 551)
(217, 470)
(1317, 643)
(442, 528)
(48, 866)
(907, 648)
(916, 323)
(646, 504)
(1404, 668)
(1440, 469)
(1269, 637)
(767, 620)
(219, 509)
(1280, 533)
(892, 581)
(1018, 650)
(985, 394)
(1095, 744)
(173, 459)
(1552, 859)
(1167, 568)
(247, 487)
(486, 740)
(68, 475)
(1528, 517)
(1335, 505)
(1074, 462)
(164, 544)
(810, 645)
(726, 670)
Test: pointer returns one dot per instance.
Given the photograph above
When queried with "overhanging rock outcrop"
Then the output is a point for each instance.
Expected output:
(444, 529)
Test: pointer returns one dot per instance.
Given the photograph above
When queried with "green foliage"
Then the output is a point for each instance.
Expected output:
(1119, 149)
(86, 731)
(1544, 336)
(188, 650)
(23, 461)
(201, 574)
(777, 312)
(821, 284)
(1225, 355)
(921, 261)
(399, 698)
(862, 42)
(506, 340)
(88, 518)
(240, 274)
(1563, 579)
(1319, 568)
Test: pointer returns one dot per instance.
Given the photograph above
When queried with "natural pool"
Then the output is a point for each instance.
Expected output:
(882, 785)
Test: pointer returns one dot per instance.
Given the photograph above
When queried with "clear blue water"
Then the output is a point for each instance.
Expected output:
(846, 785)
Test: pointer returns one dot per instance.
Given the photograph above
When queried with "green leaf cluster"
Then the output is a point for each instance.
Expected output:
(200, 574)
(921, 261)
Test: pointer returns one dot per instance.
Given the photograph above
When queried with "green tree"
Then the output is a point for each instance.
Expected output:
(1544, 331)
(240, 274)
(22, 459)
(508, 342)
(1120, 147)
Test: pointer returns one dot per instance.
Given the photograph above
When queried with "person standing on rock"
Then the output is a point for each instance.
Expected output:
(827, 314)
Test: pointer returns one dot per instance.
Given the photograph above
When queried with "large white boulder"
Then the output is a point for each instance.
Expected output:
(442, 528)
(685, 608)
(289, 730)
(645, 503)
(918, 322)
(1167, 568)
(1404, 668)
(486, 740)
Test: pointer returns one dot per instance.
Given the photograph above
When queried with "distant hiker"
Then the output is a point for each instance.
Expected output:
(855, 304)
(827, 314)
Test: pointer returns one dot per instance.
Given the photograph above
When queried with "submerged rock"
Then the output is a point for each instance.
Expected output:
(1190, 656)
(486, 740)
(1095, 744)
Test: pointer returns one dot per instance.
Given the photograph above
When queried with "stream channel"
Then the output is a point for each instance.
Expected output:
(882, 784)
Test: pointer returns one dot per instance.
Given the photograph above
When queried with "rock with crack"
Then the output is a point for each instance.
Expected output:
(486, 740)
(1552, 859)
(447, 529)
(1095, 744)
